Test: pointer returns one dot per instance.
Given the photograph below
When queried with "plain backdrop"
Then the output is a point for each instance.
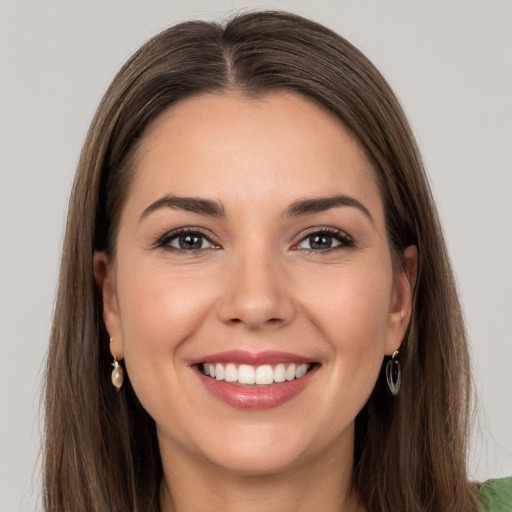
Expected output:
(450, 63)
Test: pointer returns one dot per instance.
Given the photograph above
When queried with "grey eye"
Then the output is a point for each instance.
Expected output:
(319, 242)
(190, 242)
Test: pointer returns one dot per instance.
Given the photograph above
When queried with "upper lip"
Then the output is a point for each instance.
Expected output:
(252, 358)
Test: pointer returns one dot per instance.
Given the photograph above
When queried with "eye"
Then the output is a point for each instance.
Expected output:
(325, 240)
(186, 240)
(189, 241)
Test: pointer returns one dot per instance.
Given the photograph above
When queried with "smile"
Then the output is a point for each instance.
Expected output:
(255, 375)
(257, 381)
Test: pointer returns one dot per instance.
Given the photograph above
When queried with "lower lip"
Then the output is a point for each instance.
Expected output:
(255, 397)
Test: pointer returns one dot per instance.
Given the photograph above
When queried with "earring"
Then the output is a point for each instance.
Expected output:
(394, 374)
(117, 376)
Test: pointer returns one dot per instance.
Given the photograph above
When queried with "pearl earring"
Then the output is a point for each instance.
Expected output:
(117, 376)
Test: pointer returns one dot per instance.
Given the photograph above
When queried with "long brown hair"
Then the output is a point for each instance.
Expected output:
(101, 451)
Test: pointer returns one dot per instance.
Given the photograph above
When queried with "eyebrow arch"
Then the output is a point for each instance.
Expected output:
(308, 206)
(190, 204)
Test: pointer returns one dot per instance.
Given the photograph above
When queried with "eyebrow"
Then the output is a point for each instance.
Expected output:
(216, 209)
(322, 204)
(190, 204)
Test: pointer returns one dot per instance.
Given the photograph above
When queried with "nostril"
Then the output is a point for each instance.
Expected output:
(256, 307)
(270, 321)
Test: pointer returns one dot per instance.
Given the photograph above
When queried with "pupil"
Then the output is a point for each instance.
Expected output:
(320, 241)
(190, 242)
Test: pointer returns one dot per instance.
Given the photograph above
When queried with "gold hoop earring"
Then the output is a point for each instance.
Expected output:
(394, 374)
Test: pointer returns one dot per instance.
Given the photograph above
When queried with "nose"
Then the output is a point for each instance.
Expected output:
(257, 293)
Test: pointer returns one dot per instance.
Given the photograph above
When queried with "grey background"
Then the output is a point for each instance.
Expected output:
(450, 64)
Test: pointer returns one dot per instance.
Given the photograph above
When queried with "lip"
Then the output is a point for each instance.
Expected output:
(254, 397)
(252, 358)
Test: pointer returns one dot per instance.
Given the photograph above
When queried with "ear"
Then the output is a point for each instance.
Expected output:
(105, 280)
(401, 299)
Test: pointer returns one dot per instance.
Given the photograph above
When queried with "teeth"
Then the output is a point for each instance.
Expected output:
(259, 375)
(280, 373)
(290, 372)
(301, 371)
(219, 371)
(264, 374)
(231, 374)
(246, 374)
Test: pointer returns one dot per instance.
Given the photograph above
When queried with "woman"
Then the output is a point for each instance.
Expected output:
(252, 236)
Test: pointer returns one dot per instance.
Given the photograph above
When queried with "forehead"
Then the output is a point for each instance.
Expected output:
(230, 147)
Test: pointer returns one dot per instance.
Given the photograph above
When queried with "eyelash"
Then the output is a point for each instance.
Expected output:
(345, 241)
(165, 240)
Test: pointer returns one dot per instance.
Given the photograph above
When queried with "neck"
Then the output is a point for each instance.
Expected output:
(325, 482)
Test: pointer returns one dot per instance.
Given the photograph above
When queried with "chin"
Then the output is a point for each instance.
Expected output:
(270, 449)
(254, 462)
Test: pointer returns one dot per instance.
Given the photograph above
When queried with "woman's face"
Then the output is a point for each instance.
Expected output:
(252, 245)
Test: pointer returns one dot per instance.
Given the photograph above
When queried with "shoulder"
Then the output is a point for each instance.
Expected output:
(496, 495)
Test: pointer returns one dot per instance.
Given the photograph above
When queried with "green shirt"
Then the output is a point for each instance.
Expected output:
(496, 495)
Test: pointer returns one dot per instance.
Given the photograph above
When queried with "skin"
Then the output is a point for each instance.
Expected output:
(259, 285)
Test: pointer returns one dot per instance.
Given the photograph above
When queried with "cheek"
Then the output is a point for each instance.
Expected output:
(353, 316)
(351, 305)
(158, 312)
